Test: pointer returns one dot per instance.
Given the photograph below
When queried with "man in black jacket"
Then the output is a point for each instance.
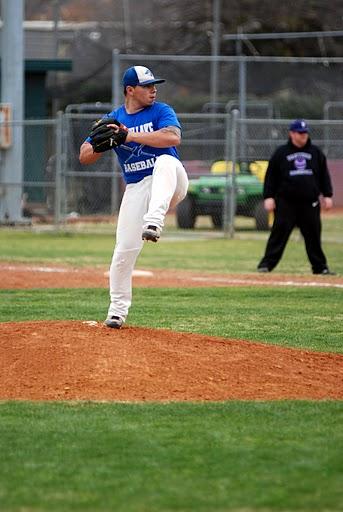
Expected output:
(297, 175)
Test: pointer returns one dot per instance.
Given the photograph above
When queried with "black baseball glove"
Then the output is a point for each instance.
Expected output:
(104, 137)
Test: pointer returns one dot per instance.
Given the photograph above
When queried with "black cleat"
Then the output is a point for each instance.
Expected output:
(115, 322)
(151, 233)
(325, 272)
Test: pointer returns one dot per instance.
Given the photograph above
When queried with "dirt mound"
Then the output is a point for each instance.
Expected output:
(87, 361)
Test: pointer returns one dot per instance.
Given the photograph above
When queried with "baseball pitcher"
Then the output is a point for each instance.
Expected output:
(144, 134)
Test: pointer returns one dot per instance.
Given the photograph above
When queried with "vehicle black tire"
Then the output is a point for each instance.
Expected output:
(217, 220)
(185, 213)
(261, 217)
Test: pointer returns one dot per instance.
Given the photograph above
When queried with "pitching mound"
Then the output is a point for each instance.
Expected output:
(87, 361)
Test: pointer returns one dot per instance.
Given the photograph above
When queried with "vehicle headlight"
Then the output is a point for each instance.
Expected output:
(205, 190)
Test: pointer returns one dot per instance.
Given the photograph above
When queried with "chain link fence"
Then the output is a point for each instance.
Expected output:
(230, 192)
(38, 185)
(92, 190)
(225, 157)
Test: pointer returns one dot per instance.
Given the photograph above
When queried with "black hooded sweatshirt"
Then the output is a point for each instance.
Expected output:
(297, 174)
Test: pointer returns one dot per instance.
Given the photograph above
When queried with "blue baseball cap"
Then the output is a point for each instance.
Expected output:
(299, 125)
(140, 75)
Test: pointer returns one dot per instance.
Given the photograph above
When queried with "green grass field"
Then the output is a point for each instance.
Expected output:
(231, 456)
(210, 255)
(185, 457)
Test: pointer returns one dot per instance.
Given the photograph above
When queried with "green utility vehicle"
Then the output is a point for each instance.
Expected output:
(206, 196)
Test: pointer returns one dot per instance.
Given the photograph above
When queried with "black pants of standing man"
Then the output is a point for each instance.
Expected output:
(288, 215)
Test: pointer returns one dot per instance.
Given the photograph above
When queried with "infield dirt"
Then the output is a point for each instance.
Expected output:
(74, 360)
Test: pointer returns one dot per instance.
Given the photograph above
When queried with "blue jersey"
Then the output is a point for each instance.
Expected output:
(137, 160)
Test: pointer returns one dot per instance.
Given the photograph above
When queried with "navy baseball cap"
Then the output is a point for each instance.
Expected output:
(299, 125)
(140, 75)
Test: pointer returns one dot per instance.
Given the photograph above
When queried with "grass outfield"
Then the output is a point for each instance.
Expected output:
(232, 456)
(237, 456)
(213, 255)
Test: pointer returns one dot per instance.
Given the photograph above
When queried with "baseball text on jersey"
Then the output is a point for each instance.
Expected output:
(140, 166)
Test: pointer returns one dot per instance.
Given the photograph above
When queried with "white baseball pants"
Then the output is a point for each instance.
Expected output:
(143, 203)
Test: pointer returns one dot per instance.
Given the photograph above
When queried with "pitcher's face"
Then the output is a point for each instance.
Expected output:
(143, 95)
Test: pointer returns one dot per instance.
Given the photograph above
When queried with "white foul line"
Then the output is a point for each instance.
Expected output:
(268, 283)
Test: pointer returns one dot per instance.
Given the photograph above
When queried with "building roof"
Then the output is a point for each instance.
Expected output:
(42, 49)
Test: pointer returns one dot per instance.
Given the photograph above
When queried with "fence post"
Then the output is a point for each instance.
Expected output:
(230, 189)
(115, 78)
(235, 116)
(226, 212)
(58, 176)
